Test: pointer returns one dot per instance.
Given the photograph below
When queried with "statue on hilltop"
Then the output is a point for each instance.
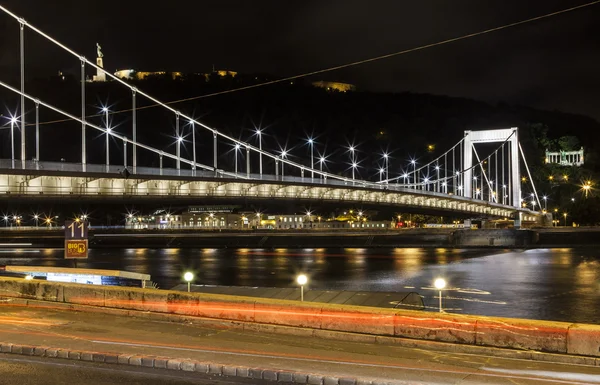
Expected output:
(99, 49)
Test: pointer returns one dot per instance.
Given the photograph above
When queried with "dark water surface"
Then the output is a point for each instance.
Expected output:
(551, 284)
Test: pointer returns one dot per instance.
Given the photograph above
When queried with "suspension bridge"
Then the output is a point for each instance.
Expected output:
(460, 181)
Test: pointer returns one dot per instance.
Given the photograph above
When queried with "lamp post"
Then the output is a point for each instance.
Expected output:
(414, 163)
(105, 110)
(302, 279)
(189, 277)
(258, 133)
(312, 168)
(440, 284)
(237, 148)
(387, 167)
(36, 218)
(381, 171)
(437, 168)
(13, 121)
(321, 161)
(354, 166)
(283, 154)
(565, 215)
(352, 160)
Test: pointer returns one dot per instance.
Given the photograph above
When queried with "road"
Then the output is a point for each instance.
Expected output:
(49, 371)
(219, 342)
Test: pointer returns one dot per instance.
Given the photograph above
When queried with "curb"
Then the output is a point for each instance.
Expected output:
(438, 346)
(187, 365)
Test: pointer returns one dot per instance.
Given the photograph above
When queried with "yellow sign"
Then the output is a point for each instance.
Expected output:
(76, 248)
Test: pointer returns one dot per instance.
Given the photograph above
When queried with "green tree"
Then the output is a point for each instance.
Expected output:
(569, 143)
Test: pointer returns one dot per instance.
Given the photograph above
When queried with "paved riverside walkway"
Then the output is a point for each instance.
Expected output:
(283, 354)
(409, 300)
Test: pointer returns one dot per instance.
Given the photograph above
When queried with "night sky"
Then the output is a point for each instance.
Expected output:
(551, 64)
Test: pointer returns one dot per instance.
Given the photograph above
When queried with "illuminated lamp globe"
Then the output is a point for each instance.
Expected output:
(189, 276)
(439, 283)
(302, 279)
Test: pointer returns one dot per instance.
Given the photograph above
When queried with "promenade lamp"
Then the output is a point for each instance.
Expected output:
(259, 134)
(381, 171)
(5, 219)
(13, 121)
(312, 158)
(404, 176)
(105, 110)
(565, 215)
(301, 280)
(386, 158)
(437, 169)
(414, 163)
(354, 166)
(440, 284)
(49, 222)
(189, 277)
(237, 148)
(36, 218)
(426, 183)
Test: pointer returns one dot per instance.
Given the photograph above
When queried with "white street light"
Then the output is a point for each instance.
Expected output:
(440, 284)
(387, 167)
(312, 167)
(414, 163)
(302, 280)
(108, 130)
(237, 148)
(258, 133)
(13, 121)
(189, 277)
(283, 155)
(545, 198)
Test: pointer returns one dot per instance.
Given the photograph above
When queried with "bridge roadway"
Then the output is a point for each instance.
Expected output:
(45, 180)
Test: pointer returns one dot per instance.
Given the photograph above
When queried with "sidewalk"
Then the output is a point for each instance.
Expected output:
(226, 348)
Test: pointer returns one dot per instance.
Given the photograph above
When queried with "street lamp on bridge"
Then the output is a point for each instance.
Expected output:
(414, 163)
(386, 159)
(259, 134)
(312, 167)
(283, 155)
(105, 110)
(237, 148)
(13, 121)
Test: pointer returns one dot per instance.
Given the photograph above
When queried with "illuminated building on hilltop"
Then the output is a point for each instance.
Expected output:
(565, 158)
(141, 75)
(334, 86)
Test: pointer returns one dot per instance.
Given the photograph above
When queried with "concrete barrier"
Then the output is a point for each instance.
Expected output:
(584, 340)
(545, 336)
(435, 326)
(288, 313)
(358, 319)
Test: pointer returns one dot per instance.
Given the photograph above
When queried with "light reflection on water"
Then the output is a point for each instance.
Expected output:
(554, 284)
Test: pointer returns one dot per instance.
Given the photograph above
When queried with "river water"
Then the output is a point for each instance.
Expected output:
(549, 284)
